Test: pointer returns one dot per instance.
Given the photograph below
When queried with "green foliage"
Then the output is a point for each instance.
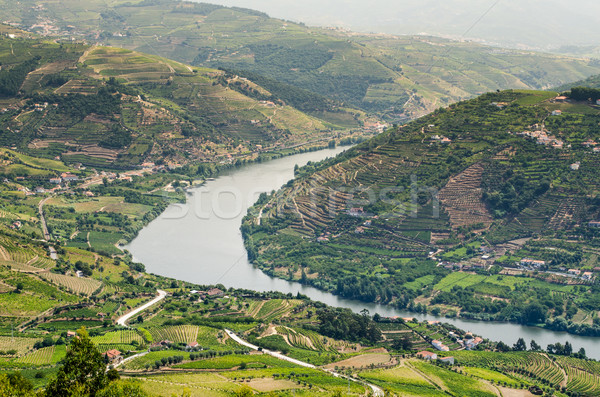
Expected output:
(83, 371)
(344, 324)
(584, 93)
(11, 79)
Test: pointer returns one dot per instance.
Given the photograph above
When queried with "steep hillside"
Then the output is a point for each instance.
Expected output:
(105, 106)
(400, 77)
(408, 217)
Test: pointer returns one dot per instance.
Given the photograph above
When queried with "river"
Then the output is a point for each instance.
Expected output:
(200, 242)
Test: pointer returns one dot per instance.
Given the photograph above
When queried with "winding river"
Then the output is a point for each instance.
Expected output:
(201, 242)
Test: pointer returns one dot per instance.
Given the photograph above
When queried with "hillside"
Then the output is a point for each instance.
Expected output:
(591, 82)
(399, 77)
(111, 107)
(482, 210)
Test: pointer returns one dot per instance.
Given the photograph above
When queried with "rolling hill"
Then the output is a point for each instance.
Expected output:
(448, 211)
(399, 77)
(112, 107)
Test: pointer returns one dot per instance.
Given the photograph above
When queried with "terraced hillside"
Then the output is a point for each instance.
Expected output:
(472, 188)
(112, 107)
(397, 76)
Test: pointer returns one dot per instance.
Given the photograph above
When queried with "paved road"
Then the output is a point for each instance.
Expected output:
(129, 359)
(124, 318)
(376, 390)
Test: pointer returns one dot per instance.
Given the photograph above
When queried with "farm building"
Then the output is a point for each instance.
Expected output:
(68, 177)
(192, 346)
(113, 356)
(556, 112)
(356, 211)
(447, 360)
(427, 355)
(215, 292)
(473, 343)
(532, 262)
(440, 346)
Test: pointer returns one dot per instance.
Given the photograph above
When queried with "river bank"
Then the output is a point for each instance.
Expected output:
(200, 241)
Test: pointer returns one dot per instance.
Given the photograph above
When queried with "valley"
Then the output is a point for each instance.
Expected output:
(199, 200)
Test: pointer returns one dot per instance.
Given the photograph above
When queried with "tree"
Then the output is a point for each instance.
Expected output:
(245, 391)
(83, 371)
(16, 385)
(534, 346)
(502, 347)
(119, 389)
(520, 345)
(534, 313)
(403, 343)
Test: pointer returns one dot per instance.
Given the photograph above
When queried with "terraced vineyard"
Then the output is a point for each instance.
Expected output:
(179, 333)
(78, 285)
(310, 340)
(583, 375)
(531, 366)
(38, 357)
(275, 308)
(118, 337)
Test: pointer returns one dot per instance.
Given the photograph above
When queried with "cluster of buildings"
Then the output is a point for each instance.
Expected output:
(64, 177)
(532, 263)
(586, 276)
(542, 138)
(465, 267)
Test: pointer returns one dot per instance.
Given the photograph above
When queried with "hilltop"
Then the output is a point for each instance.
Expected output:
(397, 77)
(115, 108)
(487, 210)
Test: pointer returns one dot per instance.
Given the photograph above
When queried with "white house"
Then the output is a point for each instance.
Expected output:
(440, 346)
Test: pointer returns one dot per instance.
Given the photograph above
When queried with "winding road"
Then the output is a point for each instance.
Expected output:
(124, 318)
(376, 390)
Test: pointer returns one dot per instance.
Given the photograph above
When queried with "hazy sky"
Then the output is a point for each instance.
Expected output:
(537, 23)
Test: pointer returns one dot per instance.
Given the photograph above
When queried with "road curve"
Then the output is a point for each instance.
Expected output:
(124, 318)
(376, 390)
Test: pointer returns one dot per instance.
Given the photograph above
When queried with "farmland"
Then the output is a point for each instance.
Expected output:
(77, 285)
(183, 333)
